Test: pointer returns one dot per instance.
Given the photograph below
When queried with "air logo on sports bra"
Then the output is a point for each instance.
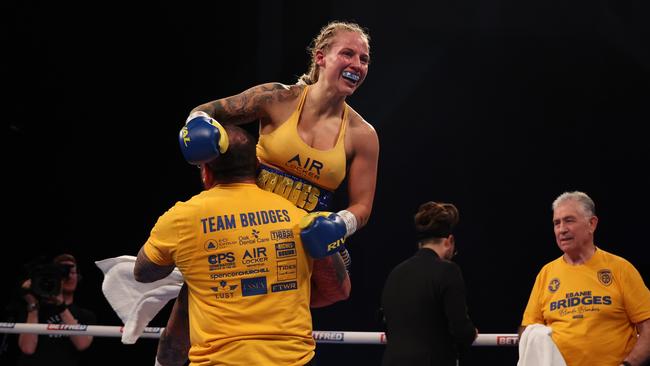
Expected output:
(310, 169)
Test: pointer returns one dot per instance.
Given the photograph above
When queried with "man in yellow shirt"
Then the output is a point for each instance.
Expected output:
(247, 273)
(595, 302)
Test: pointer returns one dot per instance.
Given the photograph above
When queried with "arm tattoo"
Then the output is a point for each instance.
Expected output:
(249, 105)
(147, 271)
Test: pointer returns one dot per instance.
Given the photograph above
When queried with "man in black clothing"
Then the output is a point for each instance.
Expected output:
(47, 302)
(424, 297)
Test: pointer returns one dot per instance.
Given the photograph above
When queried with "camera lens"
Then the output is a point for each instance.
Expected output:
(46, 280)
(46, 286)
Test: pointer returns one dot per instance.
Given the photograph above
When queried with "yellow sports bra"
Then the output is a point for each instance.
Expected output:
(285, 150)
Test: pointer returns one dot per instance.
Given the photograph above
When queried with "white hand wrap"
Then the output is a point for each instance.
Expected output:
(196, 114)
(350, 222)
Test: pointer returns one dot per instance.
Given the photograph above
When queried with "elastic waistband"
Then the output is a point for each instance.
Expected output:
(298, 191)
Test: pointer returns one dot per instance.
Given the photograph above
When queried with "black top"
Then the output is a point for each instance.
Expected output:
(56, 349)
(426, 313)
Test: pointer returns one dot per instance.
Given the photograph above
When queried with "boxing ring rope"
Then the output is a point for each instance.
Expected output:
(321, 336)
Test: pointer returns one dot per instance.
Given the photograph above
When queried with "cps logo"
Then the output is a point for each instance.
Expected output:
(228, 257)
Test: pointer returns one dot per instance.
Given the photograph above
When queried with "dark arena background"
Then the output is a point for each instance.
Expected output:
(496, 106)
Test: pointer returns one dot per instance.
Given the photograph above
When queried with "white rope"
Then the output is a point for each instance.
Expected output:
(321, 336)
(333, 336)
(74, 329)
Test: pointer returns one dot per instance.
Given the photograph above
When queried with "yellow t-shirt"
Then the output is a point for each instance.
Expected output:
(285, 150)
(239, 250)
(592, 308)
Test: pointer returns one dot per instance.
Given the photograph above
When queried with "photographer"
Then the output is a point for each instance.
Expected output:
(49, 298)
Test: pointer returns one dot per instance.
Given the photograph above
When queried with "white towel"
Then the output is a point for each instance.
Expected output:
(536, 347)
(136, 303)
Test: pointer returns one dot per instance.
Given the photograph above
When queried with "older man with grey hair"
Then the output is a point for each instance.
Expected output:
(595, 302)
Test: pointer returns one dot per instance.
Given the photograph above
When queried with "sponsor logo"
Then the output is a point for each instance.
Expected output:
(222, 261)
(311, 168)
(253, 286)
(259, 239)
(245, 240)
(554, 285)
(285, 249)
(255, 257)
(152, 330)
(184, 136)
(507, 340)
(242, 273)
(227, 257)
(224, 290)
(254, 238)
(79, 327)
(284, 286)
(281, 234)
(605, 277)
(7, 325)
(328, 336)
(287, 269)
(212, 244)
(224, 286)
(336, 244)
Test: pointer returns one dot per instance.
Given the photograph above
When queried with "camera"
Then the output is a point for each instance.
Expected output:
(46, 279)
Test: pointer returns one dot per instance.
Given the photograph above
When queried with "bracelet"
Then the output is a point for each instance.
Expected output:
(32, 307)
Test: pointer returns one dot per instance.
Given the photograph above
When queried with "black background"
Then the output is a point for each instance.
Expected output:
(496, 106)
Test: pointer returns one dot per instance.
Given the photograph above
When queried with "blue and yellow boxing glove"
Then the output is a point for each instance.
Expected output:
(202, 139)
(322, 233)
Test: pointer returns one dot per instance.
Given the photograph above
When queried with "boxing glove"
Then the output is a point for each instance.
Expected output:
(202, 139)
(322, 233)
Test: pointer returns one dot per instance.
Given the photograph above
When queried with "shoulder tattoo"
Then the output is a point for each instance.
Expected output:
(248, 105)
